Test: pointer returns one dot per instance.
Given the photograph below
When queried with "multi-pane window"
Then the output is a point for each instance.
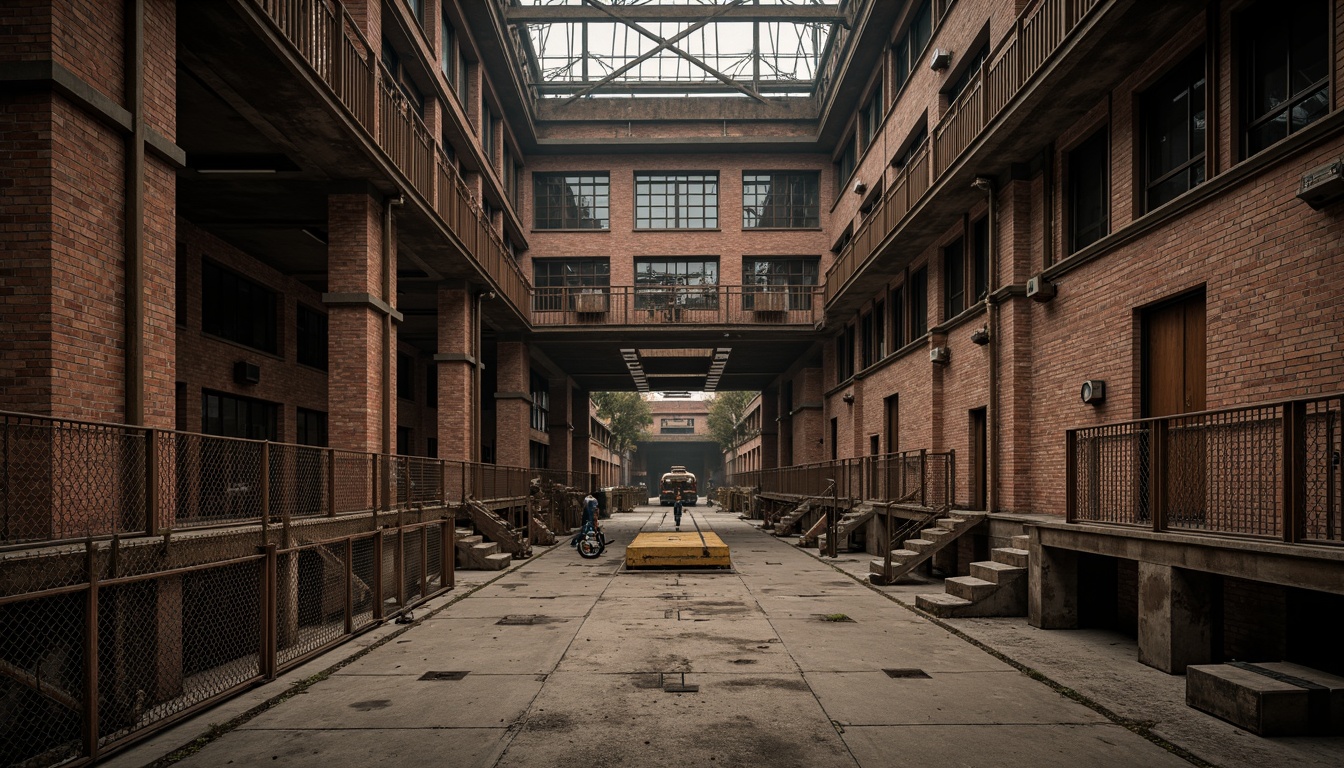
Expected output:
(312, 337)
(488, 135)
(676, 201)
(867, 340)
(844, 166)
(896, 300)
(677, 425)
(1089, 191)
(968, 73)
(676, 283)
(558, 281)
(571, 200)
(954, 279)
(233, 416)
(405, 376)
(448, 51)
(844, 354)
(910, 46)
(1285, 69)
(237, 309)
(917, 296)
(795, 276)
(870, 116)
(311, 426)
(1173, 133)
(781, 200)
(539, 416)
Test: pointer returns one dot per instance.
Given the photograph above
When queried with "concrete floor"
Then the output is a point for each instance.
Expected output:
(778, 684)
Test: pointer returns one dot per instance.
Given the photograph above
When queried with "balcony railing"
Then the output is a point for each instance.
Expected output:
(1264, 471)
(1039, 31)
(323, 33)
(922, 478)
(677, 305)
(63, 480)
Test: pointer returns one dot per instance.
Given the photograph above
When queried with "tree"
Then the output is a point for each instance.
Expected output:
(627, 415)
(726, 410)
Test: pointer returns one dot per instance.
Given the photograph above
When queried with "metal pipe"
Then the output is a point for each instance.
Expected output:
(134, 79)
(987, 185)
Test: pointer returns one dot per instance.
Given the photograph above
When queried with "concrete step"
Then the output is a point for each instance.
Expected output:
(950, 523)
(1010, 556)
(920, 545)
(969, 588)
(936, 534)
(998, 573)
(1022, 542)
(940, 605)
(496, 562)
(484, 548)
(467, 541)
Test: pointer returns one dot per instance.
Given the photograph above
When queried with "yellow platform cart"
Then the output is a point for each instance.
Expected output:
(691, 549)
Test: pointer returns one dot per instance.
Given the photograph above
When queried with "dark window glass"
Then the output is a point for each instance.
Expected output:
(794, 275)
(405, 441)
(432, 447)
(448, 52)
(432, 385)
(954, 279)
(405, 376)
(237, 309)
(867, 339)
(488, 137)
(541, 402)
(571, 200)
(1173, 132)
(672, 283)
(1285, 69)
(918, 297)
(844, 354)
(781, 200)
(844, 167)
(676, 201)
(558, 281)
(1089, 192)
(980, 257)
(897, 300)
(312, 337)
(677, 426)
(968, 74)
(232, 416)
(539, 455)
(311, 426)
(879, 330)
(463, 71)
(870, 116)
(918, 144)
(417, 9)
(909, 47)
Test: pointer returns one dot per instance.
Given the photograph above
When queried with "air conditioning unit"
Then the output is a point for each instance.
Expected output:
(770, 301)
(1040, 289)
(1322, 186)
(1093, 391)
(590, 303)
(246, 373)
(941, 355)
(940, 60)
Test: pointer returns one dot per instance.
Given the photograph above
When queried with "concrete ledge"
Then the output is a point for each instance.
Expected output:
(1276, 699)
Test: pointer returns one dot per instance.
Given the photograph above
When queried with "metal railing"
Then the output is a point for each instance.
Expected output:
(682, 305)
(1262, 471)
(322, 33)
(63, 480)
(1040, 30)
(923, 478)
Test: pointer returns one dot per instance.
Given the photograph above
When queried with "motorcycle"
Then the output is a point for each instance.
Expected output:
(590, 542)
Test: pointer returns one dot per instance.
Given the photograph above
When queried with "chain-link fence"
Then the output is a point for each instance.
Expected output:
(1264, 471)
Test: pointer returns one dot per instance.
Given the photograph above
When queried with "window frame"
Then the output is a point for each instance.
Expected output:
(544, 183)
(560, 279)
(1258, 17)
(674, 290)
(644, 181)
(811, 203)
(1195, 163)
(268, 428)
(263, 304)
(954, 278)
(311, 343)
(795, 271)
(1099, 141)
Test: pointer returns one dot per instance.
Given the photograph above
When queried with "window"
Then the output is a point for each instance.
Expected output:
(539, 418)
(917, 296)
(968, 74)
(432, 447)
(487, 134)
(1089, 192)
(405, 376)
(909, 48)
(898, 320)
(237, 309)
(677, 426)
(879, 330)
(432, 385)
(1285, 69)
(417, 10)
(870, 116)
(448, 60)
(844, 167)
(312, 427)
(557, 281)
(1173, 133)
(781, 200)
(676, 283)
(538, 454)
(954, 279)
(980, 257)
(509, 175)
(868, 340)
(918, 143)
(793, 275)
(844, 354)
(405, 441)
(676, 201)
(232, 416)
(398, 76)
(463, 69)
(571, 200)
(312, 337)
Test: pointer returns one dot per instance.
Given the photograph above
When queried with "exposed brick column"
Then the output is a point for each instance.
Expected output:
(809, 418)
(581, 460)
(770, 426)
(360, 336)
(512, 404)
(457, 359)
(562, 418)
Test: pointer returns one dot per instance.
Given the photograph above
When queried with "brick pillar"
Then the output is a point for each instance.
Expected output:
(562, 418)
(1052, 589)
(512, 404)
(581, 459)
(1175, 617)
(770, 426)
(457, 358)
(809, 418)
(361, 306)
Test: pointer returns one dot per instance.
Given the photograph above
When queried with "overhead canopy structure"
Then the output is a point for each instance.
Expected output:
(752, 48)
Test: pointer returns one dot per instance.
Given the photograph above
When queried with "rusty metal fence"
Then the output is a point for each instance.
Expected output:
(1263, 471)
(677, 305)
(923, 477)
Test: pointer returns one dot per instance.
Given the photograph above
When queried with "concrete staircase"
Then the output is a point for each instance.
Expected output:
(497, 529)
(474, 553)
(946, 529)
(540, 533)
(997, 587)
(847, 524)
(784, 525)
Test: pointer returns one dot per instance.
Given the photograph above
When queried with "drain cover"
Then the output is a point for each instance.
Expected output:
(443, 675)
(898, 673)
(518, 619)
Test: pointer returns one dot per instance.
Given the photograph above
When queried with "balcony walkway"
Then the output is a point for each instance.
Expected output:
(778, 686)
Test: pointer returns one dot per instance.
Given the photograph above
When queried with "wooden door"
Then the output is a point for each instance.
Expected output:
(893, 417)
(979, 457)
(1173, 357)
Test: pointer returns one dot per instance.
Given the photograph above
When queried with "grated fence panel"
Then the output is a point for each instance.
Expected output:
(42, 679)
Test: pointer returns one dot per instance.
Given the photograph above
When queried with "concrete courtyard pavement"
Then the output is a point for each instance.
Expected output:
(564, 658)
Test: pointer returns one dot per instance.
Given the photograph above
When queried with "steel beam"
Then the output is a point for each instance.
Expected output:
(577, 14)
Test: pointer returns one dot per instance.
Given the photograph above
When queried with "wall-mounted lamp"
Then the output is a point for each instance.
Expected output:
(848, 397)
(1093, 391)
(940, 60)
(980, 336)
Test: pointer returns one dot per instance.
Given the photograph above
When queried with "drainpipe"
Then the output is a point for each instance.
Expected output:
(389, 354)
(986, 185)
(134, 79)
(476, 396)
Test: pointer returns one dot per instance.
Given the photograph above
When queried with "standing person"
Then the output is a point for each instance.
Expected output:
(590, 512)
(676, 508)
